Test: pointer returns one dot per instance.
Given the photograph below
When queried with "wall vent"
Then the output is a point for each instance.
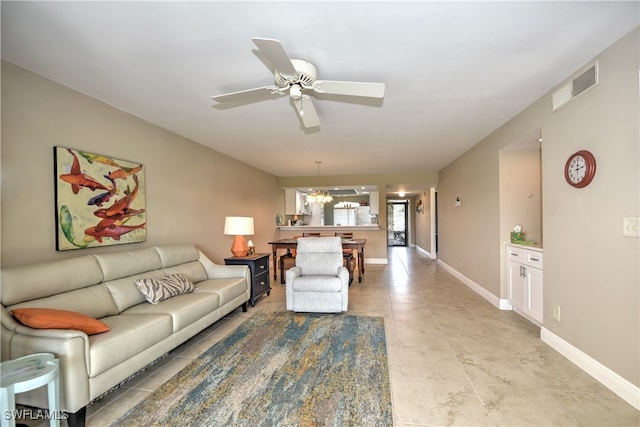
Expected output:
(577, 86)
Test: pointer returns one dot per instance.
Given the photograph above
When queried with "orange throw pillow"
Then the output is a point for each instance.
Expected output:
(49, 318)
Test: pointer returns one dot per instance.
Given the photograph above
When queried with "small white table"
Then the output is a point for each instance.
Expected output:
(25, 374)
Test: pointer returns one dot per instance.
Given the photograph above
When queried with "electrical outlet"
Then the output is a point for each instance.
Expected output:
(631, 226)
(556, 313)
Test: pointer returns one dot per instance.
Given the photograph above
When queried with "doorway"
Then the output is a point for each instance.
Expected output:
(397, 223)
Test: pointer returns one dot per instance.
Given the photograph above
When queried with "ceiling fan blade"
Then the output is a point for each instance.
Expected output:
(275, 53)
(247, 94)
(371, 90)
(306, 111)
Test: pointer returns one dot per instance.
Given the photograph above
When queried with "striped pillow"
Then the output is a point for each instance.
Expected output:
(157, 289)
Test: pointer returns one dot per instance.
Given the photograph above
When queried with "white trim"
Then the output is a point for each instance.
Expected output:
(384, 261)
(614, 382)
(497, 302)
(425, 252)
(432, 220)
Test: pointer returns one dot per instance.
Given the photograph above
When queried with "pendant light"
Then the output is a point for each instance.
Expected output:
(321, 197)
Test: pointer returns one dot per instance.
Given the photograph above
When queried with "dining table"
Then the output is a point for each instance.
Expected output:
(289, 244)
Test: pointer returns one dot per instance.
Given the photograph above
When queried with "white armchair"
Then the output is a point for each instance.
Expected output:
(319, 283)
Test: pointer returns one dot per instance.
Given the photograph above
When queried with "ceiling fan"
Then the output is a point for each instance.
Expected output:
(298, 79)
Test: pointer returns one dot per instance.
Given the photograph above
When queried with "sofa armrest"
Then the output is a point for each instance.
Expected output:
(42, 336)
(217, 271)
(70, 347)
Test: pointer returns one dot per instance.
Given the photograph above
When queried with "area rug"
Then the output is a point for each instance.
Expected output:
(280, 369)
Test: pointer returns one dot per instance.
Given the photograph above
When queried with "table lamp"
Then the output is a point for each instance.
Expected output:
(239, 226)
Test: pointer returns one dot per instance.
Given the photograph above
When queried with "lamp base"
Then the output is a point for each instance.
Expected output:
(240, 246)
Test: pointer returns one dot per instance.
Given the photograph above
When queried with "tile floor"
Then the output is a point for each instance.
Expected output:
(454, 359)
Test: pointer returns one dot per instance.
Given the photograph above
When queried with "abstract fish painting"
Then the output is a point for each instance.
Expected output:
(100, 200)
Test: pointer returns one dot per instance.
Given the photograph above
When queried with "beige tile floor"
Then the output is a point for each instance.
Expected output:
(454, 359)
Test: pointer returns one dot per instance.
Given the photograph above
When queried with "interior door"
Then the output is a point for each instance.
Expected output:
(397, 222)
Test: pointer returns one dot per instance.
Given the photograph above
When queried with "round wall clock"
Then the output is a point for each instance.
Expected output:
(580, 169)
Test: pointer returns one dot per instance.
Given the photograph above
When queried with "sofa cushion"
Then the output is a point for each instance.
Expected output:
(156, 289)
(177, 254)
(317, 284)
(228, 288)
(193, 270)
(123, 264)
(183, 309)
(124, 291)
(129, 335)
(30, 282)
(93, 301)
(48, 318)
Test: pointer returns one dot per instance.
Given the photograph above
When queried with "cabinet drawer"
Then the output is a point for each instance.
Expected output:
(516, 254)
(262, 265)
(261, 281)
(534, 259)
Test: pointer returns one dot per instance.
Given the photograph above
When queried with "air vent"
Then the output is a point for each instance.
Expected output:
(579, 85)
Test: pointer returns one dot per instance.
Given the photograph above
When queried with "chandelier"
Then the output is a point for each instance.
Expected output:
(321, 197)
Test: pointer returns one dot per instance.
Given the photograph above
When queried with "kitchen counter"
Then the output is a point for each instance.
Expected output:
(329, 228)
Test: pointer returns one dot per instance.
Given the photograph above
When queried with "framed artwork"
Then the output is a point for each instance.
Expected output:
(100, 200)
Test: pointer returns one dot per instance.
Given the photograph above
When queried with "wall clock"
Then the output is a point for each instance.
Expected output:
(580, 169)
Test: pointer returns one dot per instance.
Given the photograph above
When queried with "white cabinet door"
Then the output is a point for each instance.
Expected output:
(290, 202)
(517, 293)
(525, 281)
(374, 203)
(534, 290)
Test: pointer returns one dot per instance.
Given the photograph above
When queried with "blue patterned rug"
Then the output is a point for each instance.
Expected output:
(280, 369)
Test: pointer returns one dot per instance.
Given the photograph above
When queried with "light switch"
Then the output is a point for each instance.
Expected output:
(631, 226)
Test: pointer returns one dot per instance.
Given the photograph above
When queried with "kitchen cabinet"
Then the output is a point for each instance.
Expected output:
(525, 281)
(295, 202)
(374, 203)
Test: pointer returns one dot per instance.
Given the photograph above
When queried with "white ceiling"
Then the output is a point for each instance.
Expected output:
(454, 71)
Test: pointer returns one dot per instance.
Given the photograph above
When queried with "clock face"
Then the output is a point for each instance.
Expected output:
(577, 169)
(580, 169)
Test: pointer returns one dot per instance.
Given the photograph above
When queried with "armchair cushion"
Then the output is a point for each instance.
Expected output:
(317, 284)
(319, 255)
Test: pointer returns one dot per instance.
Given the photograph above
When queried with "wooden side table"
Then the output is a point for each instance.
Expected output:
(25, 374)
(259, 266)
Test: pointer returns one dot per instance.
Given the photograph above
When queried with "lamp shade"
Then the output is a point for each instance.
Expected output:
(238, 225)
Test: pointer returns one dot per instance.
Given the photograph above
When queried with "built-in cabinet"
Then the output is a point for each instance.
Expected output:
(525, 281)
(295, 202)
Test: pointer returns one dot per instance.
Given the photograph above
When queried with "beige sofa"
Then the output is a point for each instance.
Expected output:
(103, 287)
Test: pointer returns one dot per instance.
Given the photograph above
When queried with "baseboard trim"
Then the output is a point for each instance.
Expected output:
(383, 261)
(494, 300)
(614, 382)
(426, 252)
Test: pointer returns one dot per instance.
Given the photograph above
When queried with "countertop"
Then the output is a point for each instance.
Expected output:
(372, 227)
(534, 247)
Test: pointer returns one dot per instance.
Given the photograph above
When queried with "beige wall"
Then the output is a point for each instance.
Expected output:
(190, 188)
(422, 238)
(590, 269)
(521, 192)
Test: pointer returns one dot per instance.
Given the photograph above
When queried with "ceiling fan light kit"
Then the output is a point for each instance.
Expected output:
(297, 76)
